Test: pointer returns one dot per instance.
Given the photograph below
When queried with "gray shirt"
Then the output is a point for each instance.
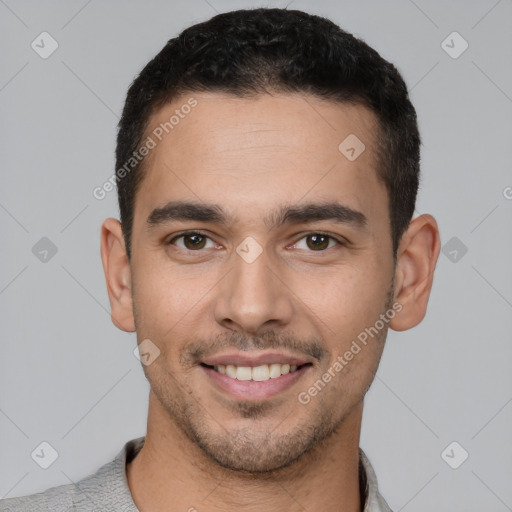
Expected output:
(107, 490)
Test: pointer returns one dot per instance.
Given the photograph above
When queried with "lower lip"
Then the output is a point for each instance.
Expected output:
(254, 390)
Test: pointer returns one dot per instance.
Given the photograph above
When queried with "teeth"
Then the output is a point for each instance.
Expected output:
(244, 373)
(256, 373)
(275, 371)
(261, 373)
(231, 371)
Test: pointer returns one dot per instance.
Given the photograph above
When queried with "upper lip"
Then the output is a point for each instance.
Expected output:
(254, 359)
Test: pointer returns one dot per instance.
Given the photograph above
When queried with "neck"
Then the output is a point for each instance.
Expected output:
(171, 469)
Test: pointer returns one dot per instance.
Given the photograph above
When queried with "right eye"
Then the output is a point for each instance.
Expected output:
(192, 241)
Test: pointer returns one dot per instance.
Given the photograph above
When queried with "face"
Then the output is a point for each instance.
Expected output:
(262, 283)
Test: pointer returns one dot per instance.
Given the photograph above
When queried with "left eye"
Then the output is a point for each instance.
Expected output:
(316, 242)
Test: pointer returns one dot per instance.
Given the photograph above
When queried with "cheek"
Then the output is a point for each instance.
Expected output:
(348, 303)
(168, 304)
(352, 291)
(164, 289)
(158, 303)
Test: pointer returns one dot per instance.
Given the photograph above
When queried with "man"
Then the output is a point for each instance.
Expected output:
(267, 172)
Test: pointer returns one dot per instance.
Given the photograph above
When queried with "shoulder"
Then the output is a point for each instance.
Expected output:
(61, 498)
(106, 489)
(66, 498)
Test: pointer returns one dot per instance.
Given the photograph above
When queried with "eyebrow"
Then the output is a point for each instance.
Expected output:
(295, 214)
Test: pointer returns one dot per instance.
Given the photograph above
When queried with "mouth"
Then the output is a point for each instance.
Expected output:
(245, 377)
(259, 373)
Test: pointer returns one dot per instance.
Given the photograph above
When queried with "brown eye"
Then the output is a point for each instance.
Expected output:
(191, 241)
(317, 242)
(194, 241)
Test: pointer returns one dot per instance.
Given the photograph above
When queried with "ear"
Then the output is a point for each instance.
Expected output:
(414, 273)
(117, 274)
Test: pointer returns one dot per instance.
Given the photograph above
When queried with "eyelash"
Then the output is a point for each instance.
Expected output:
(185, 233)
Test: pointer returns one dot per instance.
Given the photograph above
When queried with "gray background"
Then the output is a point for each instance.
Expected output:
(69, 377)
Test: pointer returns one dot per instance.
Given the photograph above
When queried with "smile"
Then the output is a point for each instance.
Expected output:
(260, 373)
(254, 377)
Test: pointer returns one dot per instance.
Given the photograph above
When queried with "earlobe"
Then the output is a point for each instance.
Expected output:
(117, 274)
(416, 260)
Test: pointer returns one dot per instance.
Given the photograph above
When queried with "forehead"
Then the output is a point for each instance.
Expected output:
(261, 152)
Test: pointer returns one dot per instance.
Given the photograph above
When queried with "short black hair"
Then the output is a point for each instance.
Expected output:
(255, 51)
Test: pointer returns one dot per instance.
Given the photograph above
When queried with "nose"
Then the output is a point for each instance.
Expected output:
(253, 296)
